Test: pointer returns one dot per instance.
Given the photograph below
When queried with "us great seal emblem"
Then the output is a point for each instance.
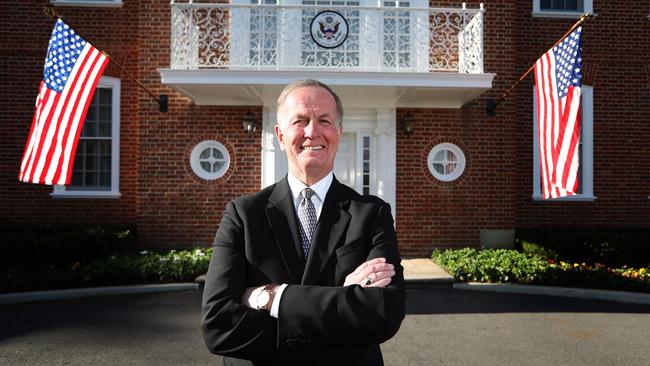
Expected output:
(329, 29)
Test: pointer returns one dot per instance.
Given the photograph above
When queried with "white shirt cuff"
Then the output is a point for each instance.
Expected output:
(275, 307)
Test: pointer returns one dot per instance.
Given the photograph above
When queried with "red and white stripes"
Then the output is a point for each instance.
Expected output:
(58, 121)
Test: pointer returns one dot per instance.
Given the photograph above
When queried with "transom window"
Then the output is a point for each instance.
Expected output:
(446, 162)
(210, 160)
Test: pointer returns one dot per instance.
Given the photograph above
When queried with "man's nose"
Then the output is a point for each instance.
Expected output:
(312, 129)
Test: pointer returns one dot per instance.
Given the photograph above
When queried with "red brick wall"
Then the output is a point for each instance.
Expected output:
(433, 214)
(175, 207)
(616, 58)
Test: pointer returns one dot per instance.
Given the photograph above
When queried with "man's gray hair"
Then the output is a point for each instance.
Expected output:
(306, 83)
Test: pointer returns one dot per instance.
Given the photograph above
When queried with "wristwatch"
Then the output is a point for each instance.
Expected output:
(264, 298)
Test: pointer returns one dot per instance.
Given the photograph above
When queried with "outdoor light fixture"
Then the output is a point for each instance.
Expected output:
(249, 122)
(408, 123)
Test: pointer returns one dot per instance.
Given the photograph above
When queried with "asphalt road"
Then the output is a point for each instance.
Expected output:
(443, 327)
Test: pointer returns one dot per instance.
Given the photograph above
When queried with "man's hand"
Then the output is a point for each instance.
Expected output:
(373, 273)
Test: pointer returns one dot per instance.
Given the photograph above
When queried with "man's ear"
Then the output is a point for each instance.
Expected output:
(280, 136)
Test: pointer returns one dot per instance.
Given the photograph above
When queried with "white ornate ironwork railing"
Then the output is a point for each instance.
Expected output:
(280, 36)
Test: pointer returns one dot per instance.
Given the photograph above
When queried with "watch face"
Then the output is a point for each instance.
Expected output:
(262, 299)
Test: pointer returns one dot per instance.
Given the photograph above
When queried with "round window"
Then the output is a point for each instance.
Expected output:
(446, 162)
(210, 160)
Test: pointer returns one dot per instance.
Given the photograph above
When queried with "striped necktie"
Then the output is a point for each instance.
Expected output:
(307, 217)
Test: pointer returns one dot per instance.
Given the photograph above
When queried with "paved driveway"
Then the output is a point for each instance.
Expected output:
(444, 327)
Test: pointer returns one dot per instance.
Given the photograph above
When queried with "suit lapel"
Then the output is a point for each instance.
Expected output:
(282, 218)
(332, 224)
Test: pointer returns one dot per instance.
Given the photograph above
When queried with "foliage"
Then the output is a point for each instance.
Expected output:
(48, 245)
(143, 267)
(496, 265)
(611, 247)
(502, 265)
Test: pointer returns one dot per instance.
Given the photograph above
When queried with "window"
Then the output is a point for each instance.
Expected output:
(373, 35)
(586, 172)
(366, 150)
(561, 8)
(115, 3)
(446, 162)
(95, 173)
(210, 160)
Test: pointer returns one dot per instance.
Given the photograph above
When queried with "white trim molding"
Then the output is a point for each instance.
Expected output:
(60, 191)
(363, 89)
(586, 158)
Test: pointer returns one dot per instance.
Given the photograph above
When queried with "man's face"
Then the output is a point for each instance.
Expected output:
(307, 130)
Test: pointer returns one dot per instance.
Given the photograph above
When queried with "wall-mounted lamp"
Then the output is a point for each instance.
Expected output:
(249, 122)
(408, 123)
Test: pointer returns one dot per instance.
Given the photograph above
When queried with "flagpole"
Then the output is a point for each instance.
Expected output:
(162, 101)
(492, 105)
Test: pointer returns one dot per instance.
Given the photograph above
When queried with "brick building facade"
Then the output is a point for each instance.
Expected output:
(172, 206)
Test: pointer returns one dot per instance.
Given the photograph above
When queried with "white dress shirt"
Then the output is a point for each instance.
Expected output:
(320, 189)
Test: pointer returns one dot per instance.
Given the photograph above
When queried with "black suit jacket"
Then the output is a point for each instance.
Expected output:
(319, 321)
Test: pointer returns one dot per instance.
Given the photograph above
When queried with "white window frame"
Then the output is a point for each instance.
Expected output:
(60, 191)
(99, 3)
(372, 187)
(195, 164)
(588, 7)
(460, 163)
(587, 158)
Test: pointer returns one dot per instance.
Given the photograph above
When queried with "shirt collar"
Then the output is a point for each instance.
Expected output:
(320, 188)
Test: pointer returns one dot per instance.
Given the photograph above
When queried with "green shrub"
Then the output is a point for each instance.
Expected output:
(502, 265)
(143, 267)
(612, 247)
(62, 245)
(496, 265)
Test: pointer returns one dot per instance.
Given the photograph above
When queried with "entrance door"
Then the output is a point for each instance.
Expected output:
(345, 165)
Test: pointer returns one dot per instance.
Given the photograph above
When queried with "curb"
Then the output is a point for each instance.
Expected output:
(23, 297)
(579, 293)
(425, 283)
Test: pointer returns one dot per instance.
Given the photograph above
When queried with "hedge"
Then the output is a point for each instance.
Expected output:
(143, 267)
(609, 246)
(503, 265)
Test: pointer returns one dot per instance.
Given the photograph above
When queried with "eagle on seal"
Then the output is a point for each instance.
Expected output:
(329, 32)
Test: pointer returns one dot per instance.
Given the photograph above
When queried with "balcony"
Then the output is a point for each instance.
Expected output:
(406, 56)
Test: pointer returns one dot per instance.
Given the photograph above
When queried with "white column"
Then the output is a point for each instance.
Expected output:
(269, 147)
(385, 151)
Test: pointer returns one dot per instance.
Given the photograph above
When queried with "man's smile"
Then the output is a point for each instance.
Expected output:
(313, 148)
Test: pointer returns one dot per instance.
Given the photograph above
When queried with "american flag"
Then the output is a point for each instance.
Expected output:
(558, 82)
(71, 73)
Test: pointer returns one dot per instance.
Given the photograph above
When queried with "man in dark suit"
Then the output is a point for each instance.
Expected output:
(307, 271)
